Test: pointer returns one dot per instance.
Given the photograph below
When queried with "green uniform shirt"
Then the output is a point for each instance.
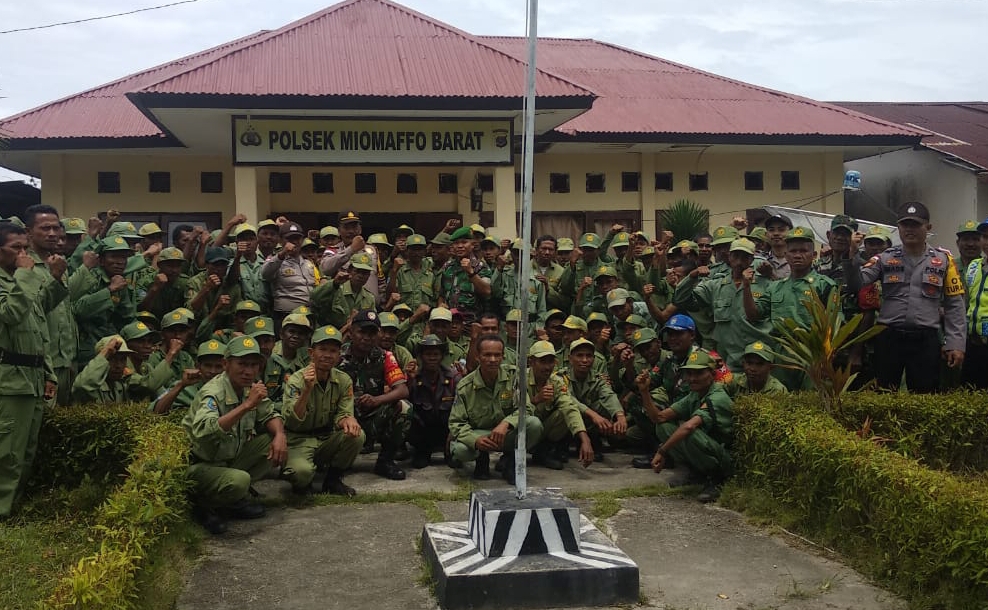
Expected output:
(784, 298)
(594, 392)
(416, 287)
(715, 409)
(225, 317)
(183, 360)
(562, 401)
(554, 274)
(333, 303)
(328, 404)
(63, 334)
(253, 287)
(23, 330)
(457, 289)
(100, 313)
(478, 406)
(170, 297)
(90, 385)
(506, 294)
(216, 398)
(738, 386)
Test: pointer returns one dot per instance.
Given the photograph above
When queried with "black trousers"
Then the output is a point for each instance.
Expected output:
(916, 352)
(976, 364)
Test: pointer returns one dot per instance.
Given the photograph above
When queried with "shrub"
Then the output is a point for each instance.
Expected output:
(923, 531)
(685, 219)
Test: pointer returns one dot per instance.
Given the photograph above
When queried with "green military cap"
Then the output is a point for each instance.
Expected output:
(245, 345)
(431, 341)
(643, 336)
(350, 216)
(641, 235)
(214, 235)
(552, 313)
(404, 230)
(541, 349)
(743, 245)
(968, 226)
(379, 239)
(148, 318)
(759, 233)
(149, 228)
(490, 239)
(605, 271)
(800, 233)
(686, 243)
(218, 254)
(759, 349)
(618, 296)
(136, 330)
(575, 323)
(123, 229)
(596, 316)
(461, 233)
(243, 228)
(845, 221)
(513, 316)
(176, 317)
(476, 228)
(326, 333)
(699, 360)
(267, 222)
(724, 235)
(580, 343)
(635, 320)
(328, 230)
(440, 313)
(306, 243)
(589, 240)
(210, 348)
(388, 319)
(259, 325)
(117, 243)
(302, 310)
(122, 349)
(646, 252)
(442, 239)
(74, 226)
(415, 240)
(565, 244)
(621, 240)
(879, 232)
(401, 307)
(362, 261)
(171, 254)
(14, 220)
(247, 305)
(516, 244)
(295, 319)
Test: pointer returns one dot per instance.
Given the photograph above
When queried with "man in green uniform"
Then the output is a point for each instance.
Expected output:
(464, 280)
(27, 380)
(545, 269)
(757, 377)
(334, 301)
(697, 431)
(648, 348)
(236, 435)
(215, 291)
(105, 303)
(108, 378)
(165, 290)
(602, 412)
(411, 275)
(289, 355)
(318, 412)
(210, 359)
(484, 416)
(252, 285)
(176, 333)
(551, 402)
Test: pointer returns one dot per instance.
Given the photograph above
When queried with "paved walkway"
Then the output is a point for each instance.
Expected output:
(364, 556)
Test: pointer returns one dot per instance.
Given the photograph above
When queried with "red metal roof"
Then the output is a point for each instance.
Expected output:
(638, 93)
(959, 129)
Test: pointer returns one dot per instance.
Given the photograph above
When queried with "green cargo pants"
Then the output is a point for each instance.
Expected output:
(554, 427)
(533, 434)
(20, 422)
(699, 451)
(306, 452)
(219, 484)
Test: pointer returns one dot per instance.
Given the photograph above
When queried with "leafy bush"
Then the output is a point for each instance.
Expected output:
(685, 219)
(923, 531)
(137, 513)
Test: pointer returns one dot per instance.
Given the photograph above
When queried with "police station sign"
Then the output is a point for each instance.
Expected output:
(370, 141)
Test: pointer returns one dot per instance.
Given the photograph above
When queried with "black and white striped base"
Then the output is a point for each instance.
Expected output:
(501, 525)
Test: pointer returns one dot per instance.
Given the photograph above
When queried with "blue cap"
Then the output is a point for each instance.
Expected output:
(680, 322)
(983, 225)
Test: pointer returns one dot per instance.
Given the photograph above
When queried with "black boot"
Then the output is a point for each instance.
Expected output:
(507, 466)
(421, 458)
(333, 483)
(368, 445)
(543, 455)
(563, 447)
(482, 467)
(245, 509)
(387, 468)
(209, 520)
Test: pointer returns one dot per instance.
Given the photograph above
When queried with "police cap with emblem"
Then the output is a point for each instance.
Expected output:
(914, 211)
(367, 317)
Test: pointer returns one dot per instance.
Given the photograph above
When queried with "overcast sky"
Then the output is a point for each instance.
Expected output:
(861, 50)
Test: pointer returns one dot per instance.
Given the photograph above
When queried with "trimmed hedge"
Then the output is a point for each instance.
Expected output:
(947, 431)
(104, 441)
(924, 531)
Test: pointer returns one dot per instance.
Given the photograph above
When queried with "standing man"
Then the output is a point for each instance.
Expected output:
(975, 372)
(776, 229)
(411, 278)
(290, 275)
(352, 243)
(105, 303)
(917, 281)
(27, 380)
(546, 270)
(464, 280)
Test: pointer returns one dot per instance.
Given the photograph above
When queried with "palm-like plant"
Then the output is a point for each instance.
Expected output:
(685, 219)
(812, 349)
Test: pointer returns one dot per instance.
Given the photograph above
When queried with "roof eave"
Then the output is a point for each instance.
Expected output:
(736, 139)
(14, 144)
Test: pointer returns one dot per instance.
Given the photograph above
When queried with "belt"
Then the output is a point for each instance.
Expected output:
(15, 359)
(913, 332)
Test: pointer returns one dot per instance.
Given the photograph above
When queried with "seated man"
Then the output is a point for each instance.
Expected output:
(182, 393)
(107, 378)
(176, 332)
(697, 431)
(484, 414)
(757, 377)
(236, 435)
(288, 355)
(602, 412)
(551, 402)
(318, 412)
(432, 387)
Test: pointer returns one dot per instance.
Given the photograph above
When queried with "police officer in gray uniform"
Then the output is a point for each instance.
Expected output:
(917, 281)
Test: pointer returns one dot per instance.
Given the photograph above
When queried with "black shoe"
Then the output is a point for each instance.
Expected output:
(333, 483)
(209, 520)
(389, 470)
(303, 491)
(482, 467)
(692, 478)
(544, 456)
(402, 453)
(499, 467)
(507, 467)
(368, 446)
(642, 461)
(245, 509)
(453, 463)
(421, 459)
(563, 449)
(710, 493)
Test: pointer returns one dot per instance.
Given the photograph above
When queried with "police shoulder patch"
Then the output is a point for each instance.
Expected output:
(211, 404)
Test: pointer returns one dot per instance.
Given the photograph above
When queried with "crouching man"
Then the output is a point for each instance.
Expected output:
(484, 415)
(318, 412)
(697, 430)
(236, 434)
